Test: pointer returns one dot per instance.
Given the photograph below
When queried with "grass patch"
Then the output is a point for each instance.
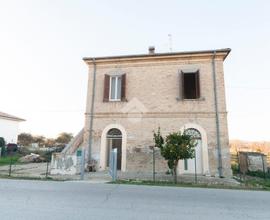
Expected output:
(258, 183)
(29, 178)
(6, 160)
(251, 185)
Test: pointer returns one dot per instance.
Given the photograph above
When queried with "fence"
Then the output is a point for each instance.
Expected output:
(24, 164)
(250, 163)
(235, 158)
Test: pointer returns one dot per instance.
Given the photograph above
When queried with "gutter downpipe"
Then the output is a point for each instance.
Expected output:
(220, 172)
(92, 112)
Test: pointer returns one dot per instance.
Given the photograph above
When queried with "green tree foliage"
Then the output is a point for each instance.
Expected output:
(64, 138)
(40, 140)
(2, 142)
(2, 145)
(25, 139)
(177, 146)
(50, 142)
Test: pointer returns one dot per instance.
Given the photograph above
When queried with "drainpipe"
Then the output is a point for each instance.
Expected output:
(92, 112)
(217, 117)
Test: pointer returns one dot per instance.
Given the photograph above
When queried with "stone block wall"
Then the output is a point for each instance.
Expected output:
(152, 92)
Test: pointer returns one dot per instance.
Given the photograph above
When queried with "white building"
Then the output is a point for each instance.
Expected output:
(9, 127)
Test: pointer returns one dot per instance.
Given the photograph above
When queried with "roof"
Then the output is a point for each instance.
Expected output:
(224, 51)
(10, 117)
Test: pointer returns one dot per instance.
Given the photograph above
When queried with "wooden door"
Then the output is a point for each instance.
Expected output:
(117, 143)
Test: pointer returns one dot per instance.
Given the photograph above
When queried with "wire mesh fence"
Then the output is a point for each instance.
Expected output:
(250, 164)
(25, 163)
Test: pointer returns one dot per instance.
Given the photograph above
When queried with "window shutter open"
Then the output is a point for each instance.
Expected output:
(106, 92)
(182, 83)
(123, 87)
(197, 78)
(180, 86)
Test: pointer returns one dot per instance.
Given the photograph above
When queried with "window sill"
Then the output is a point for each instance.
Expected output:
(115, 101)
(186, 100)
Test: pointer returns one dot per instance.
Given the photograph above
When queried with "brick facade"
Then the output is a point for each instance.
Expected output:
(152, 100)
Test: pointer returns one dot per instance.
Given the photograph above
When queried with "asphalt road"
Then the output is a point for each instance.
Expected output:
(27, 200)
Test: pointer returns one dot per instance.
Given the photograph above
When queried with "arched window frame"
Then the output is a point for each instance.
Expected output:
(114, 133)
(194, 133)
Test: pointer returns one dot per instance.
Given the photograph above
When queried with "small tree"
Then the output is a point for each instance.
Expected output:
(49, 142)
(177, 146)
(39, 139)
(64, 138)
(25, 139)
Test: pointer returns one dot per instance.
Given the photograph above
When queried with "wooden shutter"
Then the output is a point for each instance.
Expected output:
(182, 83)
(123, 87)
(179, 85)
(197, 80)
(106, 92)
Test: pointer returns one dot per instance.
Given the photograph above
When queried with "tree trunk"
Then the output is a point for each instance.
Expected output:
(175, 172)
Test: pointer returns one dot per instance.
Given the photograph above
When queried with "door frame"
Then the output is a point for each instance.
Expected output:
(103, 146)
(204, 149)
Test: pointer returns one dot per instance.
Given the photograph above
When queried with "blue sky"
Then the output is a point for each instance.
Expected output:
(43, 78)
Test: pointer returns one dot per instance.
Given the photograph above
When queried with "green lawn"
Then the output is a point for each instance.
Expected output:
(254, 184)
(6, 160)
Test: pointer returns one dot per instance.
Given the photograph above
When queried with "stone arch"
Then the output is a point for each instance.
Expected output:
(103, 146)
(205, 160)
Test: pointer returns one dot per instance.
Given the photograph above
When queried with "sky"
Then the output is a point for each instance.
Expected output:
(43, 78)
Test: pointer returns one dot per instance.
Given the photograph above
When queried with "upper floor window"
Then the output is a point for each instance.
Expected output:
(190, 85)
(114, 88)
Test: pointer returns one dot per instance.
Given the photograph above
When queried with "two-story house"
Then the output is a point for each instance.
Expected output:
(131, 96)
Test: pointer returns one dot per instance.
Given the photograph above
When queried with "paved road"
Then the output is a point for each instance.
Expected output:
(27, 200)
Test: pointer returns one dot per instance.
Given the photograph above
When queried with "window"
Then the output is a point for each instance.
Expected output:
(194, 133)
(114, 88)
(190, 85)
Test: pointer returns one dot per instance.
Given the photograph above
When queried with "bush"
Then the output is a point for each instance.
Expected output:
(235, 168)
(259, 174)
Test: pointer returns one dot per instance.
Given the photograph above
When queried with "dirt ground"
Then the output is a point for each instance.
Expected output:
(38, 170)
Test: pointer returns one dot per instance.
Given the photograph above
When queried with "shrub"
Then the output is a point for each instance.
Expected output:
(235, 168)
(259, 174)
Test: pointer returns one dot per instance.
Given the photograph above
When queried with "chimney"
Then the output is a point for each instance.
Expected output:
(151, 50)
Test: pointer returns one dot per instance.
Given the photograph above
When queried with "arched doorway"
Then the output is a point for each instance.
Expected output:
(197, 161)
(114, 141)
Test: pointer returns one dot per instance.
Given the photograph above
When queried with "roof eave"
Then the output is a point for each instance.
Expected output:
(13, 118)
(225, 50)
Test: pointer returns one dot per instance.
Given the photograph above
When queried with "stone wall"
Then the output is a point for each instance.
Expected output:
(65, 164)
(252, 161)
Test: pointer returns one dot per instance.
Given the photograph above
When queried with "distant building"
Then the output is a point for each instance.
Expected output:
(9, 127)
